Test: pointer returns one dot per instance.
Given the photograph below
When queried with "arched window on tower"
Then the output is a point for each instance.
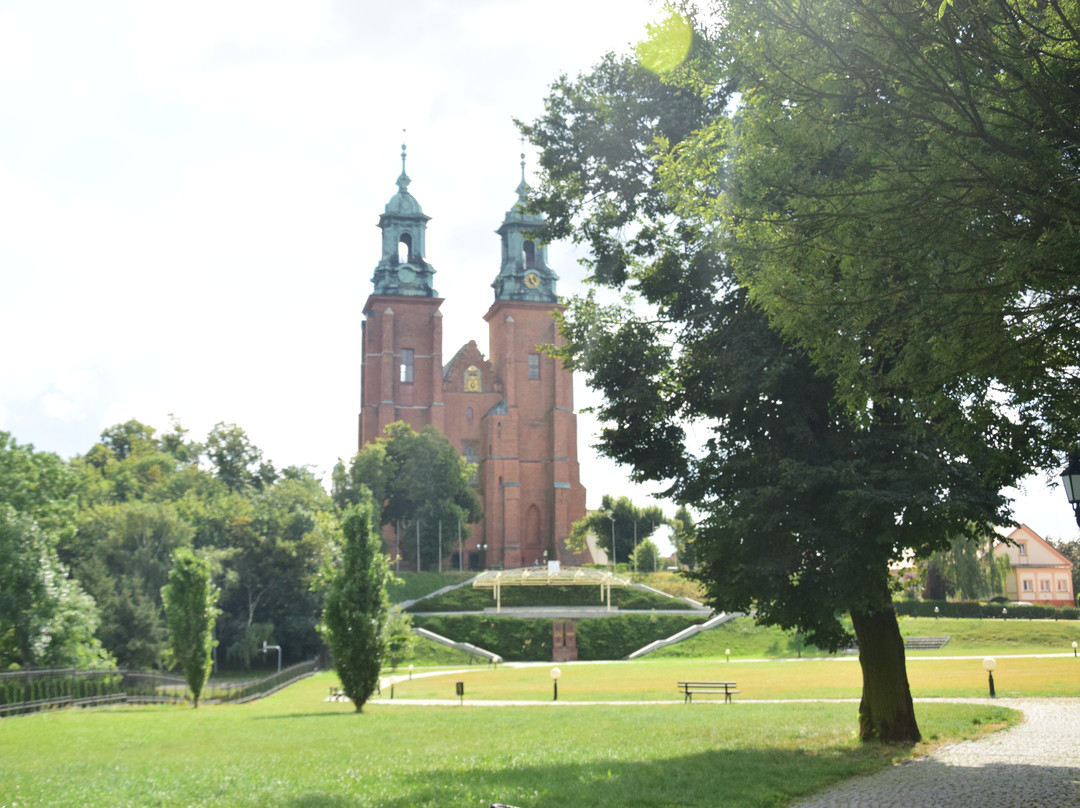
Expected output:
(405, 249)
(530, 255)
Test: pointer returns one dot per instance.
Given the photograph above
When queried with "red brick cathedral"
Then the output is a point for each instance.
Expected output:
(512, 414)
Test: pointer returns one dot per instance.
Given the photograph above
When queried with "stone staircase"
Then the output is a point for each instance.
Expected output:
(925, 643)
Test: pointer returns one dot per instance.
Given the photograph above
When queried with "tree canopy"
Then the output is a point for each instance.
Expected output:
(418, 482)
(899, 189)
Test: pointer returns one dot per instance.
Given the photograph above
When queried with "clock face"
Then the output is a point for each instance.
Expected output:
(532, 280)
(405, 275)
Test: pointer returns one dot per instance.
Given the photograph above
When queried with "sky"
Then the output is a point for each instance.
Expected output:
(189, 198)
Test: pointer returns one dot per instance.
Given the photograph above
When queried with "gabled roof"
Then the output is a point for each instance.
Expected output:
(1025, 533)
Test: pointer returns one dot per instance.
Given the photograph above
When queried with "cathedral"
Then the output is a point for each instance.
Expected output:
(511, 414)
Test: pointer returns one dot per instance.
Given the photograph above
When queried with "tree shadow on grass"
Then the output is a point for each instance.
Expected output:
(745, 777)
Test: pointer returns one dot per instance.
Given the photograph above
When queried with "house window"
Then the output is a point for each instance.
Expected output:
(469, 414)
(1027, 586)
(534, 366)
(1023, 549)
(407, 365)
(1062, 587)
(1044, 586)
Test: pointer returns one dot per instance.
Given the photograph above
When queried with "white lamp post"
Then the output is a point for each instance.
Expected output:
(989, 664)
(277, 648)
(555, 674)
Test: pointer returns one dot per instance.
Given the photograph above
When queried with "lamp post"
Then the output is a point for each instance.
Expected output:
(277, 648)
(1070, 481)
(1004, 613)
(614, 563)
(1074, 649)
(936, 610)
(555, 674)
(989, 664)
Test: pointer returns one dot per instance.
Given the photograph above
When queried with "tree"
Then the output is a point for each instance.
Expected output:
(805, 504)
(418, 481)
(356, 605)
(966, 568)
(646, 556)
(902, 197)
(46, 619)
(190, 600)
(237, 461)
(630, 524)
(683, 534)
(122, 554)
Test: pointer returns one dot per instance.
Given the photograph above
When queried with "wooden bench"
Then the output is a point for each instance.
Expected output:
(688, 690)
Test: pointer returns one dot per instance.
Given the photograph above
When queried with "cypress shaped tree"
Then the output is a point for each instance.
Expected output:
(190, 600)
(356, 606)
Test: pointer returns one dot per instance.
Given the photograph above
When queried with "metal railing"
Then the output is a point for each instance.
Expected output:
(40, 689)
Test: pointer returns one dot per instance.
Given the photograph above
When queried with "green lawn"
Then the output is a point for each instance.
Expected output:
(776, 679)
(968, 637)
(295, 749)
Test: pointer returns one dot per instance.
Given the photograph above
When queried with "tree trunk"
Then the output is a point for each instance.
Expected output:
(886, 712)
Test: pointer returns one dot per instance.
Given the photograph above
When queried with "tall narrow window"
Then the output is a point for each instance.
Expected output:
(530, 255)
(534, 366)
(405, 248)
(407, 365)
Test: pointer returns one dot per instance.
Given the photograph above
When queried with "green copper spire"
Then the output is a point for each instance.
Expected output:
(524, 274)
(403, 269)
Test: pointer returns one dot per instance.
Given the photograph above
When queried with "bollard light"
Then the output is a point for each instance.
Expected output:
(1004, 614)
(989, 664)
(727, 653)
(936, 610)
(555, 674)
(410, 673)
(1074, 648)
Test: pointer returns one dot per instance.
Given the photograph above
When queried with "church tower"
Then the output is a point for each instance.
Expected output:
(401, 376)
(531, 471)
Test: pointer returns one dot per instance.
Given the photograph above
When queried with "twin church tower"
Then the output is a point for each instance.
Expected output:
(512, 414)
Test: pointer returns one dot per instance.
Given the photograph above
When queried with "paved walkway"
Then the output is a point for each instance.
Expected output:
(1033, 765)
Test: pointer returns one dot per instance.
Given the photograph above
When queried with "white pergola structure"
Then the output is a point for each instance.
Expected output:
(544, 576)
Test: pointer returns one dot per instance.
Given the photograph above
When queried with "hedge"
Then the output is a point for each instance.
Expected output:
(925, 608)
(530, 640)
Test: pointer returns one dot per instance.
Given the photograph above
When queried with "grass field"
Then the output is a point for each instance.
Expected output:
(296, 749)
(796, 679)
(967, 637)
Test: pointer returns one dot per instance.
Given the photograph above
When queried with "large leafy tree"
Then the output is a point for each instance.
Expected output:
(419, 482)
(190, 599)
(903, 200)
(805, 504)
(356, 605)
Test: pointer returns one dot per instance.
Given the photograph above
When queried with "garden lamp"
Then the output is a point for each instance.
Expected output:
(989, 664)
(555, 674)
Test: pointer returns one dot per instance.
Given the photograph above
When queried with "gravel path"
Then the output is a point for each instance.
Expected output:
(1033, 765)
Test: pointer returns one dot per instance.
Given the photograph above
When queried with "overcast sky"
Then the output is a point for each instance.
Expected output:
(189, 195)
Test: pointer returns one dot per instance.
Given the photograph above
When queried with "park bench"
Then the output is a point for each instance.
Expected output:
(688, 690)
